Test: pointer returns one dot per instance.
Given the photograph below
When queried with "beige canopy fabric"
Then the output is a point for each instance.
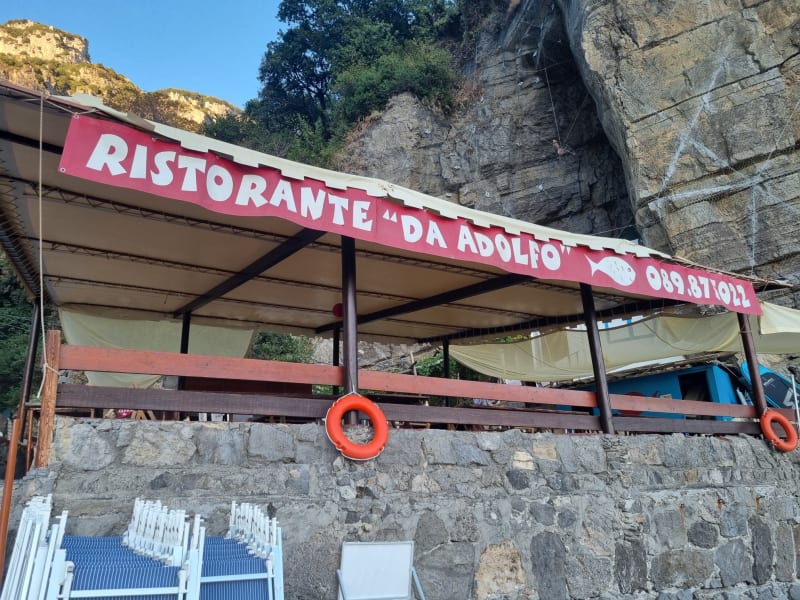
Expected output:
(563, 355)
(128, 330)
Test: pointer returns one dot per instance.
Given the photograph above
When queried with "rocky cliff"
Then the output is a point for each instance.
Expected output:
(43, 57)
(676, 123)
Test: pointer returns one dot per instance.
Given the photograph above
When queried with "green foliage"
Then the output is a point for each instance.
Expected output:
(433, 366)
(281, 346)
(15, 323)
(15, 320)
(421, 68)
(339, 61)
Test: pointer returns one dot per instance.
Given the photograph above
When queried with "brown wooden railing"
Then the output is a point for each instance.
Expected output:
(512, 406)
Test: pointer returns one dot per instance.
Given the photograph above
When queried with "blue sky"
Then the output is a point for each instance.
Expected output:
(213, 48)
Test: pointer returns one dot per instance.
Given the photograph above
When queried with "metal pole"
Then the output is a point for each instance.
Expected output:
(337, 334)
(186, 327)
(759, 398)
(11, 464)
(598, 364)
(350, 321)
(446, 359)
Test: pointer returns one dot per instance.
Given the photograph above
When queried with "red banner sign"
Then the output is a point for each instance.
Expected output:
(117, 155)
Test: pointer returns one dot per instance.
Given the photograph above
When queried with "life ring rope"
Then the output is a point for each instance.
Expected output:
(349, 448)
(787, 445)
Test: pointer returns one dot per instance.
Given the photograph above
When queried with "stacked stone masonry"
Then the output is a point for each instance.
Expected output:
(494, 515)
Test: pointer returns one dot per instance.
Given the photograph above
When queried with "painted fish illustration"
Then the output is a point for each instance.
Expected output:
(616, 268)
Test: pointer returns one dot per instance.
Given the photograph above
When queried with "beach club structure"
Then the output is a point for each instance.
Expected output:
(164, 251)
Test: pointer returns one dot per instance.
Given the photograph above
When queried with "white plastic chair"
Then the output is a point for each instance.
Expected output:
(378, 571)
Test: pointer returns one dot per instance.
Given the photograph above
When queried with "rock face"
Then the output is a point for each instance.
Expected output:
(700, 99)
(526, 141)
(46, 58)
(680, 118)
(28, 39)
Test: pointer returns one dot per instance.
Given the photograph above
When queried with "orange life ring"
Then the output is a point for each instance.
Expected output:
(787, 445)
(348, 448)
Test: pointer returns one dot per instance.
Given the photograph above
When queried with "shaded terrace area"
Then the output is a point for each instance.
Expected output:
(108, 214)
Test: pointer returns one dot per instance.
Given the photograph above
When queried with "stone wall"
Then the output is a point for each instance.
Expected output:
(494, 515)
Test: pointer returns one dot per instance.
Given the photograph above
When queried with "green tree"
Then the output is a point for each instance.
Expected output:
(420, 68)
(268, 345)
(15, 324)
(338, 61)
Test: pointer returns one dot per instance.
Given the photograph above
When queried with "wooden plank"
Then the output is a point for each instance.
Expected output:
(86, 358)
(437, 386)
(77, 396)
(665, 425)
(49, 389)
(685, 407)
(490, 417)
(112, 360)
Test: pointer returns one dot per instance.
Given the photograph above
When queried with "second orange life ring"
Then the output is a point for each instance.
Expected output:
(787, 445)
(348, 448)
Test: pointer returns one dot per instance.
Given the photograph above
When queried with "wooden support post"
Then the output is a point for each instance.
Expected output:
(759, 398)
(16, 433)
(47, 414)
(350, 322)
(28, 440)
(598, 364)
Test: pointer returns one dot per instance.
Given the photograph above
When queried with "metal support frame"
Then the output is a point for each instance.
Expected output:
(598, 364)
(16, 434)
(277, 255)
(350, 321)
(759, 398)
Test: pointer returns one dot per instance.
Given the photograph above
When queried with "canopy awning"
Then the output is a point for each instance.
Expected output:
(564, 355)
(116, 211)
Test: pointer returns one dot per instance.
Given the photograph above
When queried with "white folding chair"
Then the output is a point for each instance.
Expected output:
(378, 571)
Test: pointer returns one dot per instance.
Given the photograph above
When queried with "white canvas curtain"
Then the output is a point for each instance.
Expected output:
(121, 329)
(564, 355)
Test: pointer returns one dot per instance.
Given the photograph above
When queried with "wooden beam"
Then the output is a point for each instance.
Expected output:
(77, 396)
(381, 381)
(74, 396)
(49, 389)
(680, 407)
(759, 397)
(699, 426)
(114, 360)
